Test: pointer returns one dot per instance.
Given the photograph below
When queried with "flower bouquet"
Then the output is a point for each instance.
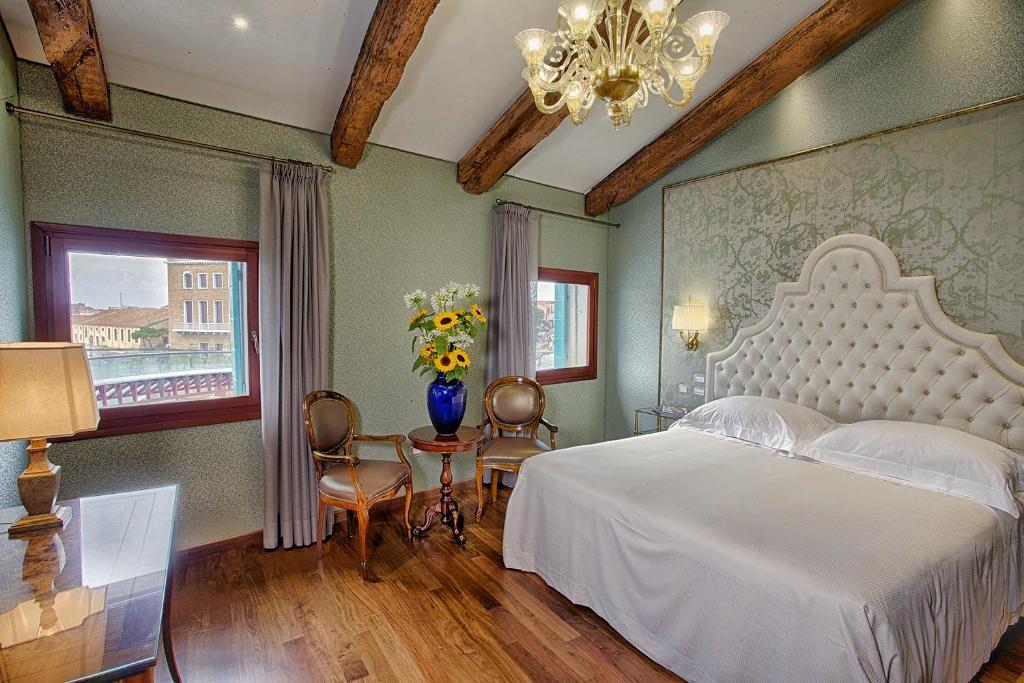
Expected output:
(443, 333)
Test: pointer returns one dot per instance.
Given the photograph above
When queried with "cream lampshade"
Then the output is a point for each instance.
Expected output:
(689, 317)
(46, 390)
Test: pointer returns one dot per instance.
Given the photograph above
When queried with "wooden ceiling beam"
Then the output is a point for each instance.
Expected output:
(67, 30)
(394, 32)
(518, 130)
(824, 32)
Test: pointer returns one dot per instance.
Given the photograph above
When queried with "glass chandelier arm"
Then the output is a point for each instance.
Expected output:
(687, 95)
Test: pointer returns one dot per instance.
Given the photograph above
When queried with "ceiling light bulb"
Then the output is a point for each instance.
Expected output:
(241, 23)
(581, 13)
(656, 5)
(534, 44)
(688, 70)
(706, 30)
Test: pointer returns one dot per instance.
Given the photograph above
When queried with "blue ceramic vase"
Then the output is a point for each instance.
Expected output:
(446, 404)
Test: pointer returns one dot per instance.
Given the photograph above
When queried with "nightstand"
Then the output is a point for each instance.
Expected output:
(663, 417)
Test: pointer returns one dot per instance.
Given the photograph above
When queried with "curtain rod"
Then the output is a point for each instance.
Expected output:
(500, 202)
(13, 109)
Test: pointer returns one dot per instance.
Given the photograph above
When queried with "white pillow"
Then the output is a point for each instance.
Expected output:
(924, 456)
(766, 421)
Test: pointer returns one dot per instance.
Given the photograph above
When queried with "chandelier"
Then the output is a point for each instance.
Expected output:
(619, 51)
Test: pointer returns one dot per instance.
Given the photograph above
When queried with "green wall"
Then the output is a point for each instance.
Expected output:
(13, 309)
(399, 221)
(927, 57)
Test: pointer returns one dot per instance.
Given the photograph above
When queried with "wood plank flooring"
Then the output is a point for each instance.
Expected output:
(435, 612)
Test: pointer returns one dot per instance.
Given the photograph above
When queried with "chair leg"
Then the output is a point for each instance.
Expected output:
(364, 526)
(408, 504)
(479, 490)
(495, 476)
(350, 523)
(320, 529)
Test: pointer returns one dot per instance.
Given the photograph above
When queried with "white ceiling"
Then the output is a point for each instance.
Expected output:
(292, 65)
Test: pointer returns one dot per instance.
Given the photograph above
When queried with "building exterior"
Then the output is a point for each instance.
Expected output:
(117, 328)
(199, 305)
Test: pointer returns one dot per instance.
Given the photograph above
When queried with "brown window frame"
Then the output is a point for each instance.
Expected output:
(578, 373)
(51, 243)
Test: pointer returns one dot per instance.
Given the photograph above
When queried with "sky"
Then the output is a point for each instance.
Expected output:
(101, 280)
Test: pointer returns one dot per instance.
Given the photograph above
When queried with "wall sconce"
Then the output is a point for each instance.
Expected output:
(689, 319)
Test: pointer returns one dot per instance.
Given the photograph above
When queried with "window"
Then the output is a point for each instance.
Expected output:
(218, 280)
(124, 292)
(218, 312)
(203, 281)
(565, 325)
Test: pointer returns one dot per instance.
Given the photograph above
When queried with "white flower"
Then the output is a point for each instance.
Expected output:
(470, 291)
(415, 299)
(460, 340)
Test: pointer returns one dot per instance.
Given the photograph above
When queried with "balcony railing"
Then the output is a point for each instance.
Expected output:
(201, 327)
(178, 386)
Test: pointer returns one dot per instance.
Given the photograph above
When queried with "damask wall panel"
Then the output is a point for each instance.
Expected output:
(948, 197)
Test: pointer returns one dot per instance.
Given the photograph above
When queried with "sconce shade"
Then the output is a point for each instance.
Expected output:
(690, 317)
(46, 391)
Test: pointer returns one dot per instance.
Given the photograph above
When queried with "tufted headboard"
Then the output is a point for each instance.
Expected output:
(856, 340)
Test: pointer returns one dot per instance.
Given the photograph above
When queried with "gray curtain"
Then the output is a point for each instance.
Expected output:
(511, 344)
(510, 335)
(293, 343)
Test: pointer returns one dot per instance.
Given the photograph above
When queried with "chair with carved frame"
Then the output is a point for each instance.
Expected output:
(345, 481)
(511, 404)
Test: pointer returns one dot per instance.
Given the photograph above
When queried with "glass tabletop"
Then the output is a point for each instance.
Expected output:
(671, 412)
(85, 603)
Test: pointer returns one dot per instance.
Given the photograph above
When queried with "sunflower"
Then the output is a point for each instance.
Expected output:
(420, 315)
(444, 362)
(427, 351)
(478, 314)
(461, 357)
(445, 320)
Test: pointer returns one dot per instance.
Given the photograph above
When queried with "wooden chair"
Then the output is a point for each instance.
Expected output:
(511, 404)
(344, 480)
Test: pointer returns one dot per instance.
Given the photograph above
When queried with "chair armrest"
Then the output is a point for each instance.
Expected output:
(396, 439)
(553, 430)
(336, 458)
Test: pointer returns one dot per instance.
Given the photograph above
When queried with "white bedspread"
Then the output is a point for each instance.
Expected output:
(728, 562)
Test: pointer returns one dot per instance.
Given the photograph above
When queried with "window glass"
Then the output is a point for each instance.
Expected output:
(561, 325)
(145, 341)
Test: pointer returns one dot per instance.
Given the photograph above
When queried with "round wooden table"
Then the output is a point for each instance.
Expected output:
(447, 508)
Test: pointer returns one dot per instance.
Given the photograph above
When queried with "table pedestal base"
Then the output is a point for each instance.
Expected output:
(447, 508)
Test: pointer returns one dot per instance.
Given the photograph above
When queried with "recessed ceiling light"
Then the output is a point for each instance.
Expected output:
(241, 23)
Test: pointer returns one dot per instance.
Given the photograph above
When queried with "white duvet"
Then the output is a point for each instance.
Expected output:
(728, 562)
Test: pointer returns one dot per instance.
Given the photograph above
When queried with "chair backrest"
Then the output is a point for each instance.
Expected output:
(330, 423)
(514, 404)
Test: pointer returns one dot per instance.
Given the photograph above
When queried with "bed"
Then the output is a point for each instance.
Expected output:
(728, 561)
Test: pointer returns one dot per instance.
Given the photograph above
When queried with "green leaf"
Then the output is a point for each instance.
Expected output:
(441, 343)
(417, 363)
(426, 369)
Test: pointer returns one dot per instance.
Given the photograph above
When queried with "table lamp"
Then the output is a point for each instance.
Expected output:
(46, 390)
(689, 319)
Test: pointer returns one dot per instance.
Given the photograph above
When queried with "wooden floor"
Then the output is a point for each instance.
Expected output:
(435, 612)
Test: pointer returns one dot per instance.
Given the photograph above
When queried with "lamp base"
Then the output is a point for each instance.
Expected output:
(60, 516)
(38, 486)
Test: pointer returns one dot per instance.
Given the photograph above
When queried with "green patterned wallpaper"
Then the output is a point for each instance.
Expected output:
(924, 58)
(947, 197)
(12, 250)
(399, 221)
